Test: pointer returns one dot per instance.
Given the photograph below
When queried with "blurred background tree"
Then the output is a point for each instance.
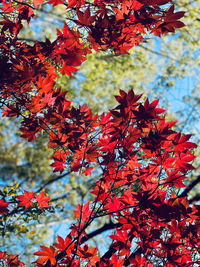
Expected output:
(167, 68)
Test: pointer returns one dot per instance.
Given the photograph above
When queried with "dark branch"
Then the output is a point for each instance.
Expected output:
(52, 181)
(195, 198)
(190, 187)
(108, 254)
(158, 53)
(105, 227)
(60, 197)
(132, 256)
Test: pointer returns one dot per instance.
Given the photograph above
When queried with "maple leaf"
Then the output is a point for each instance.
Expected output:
(83, 212)
(25, 12)
(59, 158)
(116, 261)
(120, 236)
(170, 22)
(26, 200)
(174, 179)
(67, 69)
(89, 254)
(88, 171)
(63, 244)
(11, 111)
(115, 205)
(58, 166)
(45, 255)
(105, 118)
(36, 105)
(30, 135)
(85, 18)
(42, 200)
(77, 3)
(185, 146)
(91, 154)
(48, 99)
(122, 244)
(138, 261)
(7, 7)
(45, 85)
(37, 2)
(55, 2)
(76, 166)
(13, 261)
(11, 26)
(3, 255)
(3, 207)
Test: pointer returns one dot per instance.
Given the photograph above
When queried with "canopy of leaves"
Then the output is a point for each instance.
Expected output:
(40, 97)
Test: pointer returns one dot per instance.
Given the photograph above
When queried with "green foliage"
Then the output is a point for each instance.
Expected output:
(26, 162)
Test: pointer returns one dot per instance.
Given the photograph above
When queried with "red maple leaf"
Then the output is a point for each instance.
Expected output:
(10, 111)
(55, 2)
(88, 171)
(58, 166)
(26, 200)
(46, 254)
(3, 207)
(7, 7)
(115, 205)
(170, 22)
(13, 261)
(138, 261)
(42, 200)
(63, 244)
(48, 99)
(77, 3)
(116, 261)
(59, 158)
(89, 254)
(122, 244)
(45, 85)
(37, 2)
(83, 212)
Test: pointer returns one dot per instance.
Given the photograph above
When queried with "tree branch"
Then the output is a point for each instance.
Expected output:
(190, 187)
(157, 53)
(108, 254)
(195, 198)
(132, 256)
(105, 227)
(51, 223)
(52, 181)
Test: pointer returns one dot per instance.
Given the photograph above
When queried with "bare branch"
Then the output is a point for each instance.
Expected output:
(195, 198)
(52, 181)
(190, 187)
(158, 53)
(51, 223)
(105, 227)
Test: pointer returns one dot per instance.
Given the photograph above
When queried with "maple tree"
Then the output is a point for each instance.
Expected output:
(140, 160)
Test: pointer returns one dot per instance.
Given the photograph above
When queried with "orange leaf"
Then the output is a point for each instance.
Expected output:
(45, 255)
